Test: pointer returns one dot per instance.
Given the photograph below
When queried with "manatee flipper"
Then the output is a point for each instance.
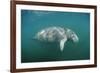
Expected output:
(62, 42)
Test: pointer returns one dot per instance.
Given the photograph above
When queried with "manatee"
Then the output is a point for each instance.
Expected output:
(59, 34)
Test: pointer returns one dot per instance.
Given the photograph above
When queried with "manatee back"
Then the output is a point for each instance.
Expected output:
(51, 34)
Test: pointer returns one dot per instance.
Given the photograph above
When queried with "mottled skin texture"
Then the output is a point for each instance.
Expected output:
(58, 34)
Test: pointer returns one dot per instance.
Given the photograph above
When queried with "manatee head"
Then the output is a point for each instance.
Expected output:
(72, 35)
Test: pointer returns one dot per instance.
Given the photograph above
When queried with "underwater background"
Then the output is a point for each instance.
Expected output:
(32, 21)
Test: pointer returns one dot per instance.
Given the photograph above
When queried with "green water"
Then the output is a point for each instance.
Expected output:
(33, 21)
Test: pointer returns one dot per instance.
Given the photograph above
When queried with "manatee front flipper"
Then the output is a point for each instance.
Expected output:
(62, 42)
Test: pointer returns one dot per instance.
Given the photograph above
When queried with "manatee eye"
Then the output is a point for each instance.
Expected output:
(72, 34)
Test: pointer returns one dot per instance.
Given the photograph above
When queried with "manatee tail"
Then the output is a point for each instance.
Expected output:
(62, 42)
(35, 37)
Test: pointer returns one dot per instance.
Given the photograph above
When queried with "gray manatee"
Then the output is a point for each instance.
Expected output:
(58, 34)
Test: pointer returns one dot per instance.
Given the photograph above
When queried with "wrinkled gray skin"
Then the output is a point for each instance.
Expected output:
(58, 34)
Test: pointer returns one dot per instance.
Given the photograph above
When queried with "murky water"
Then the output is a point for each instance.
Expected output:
(37, 51)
